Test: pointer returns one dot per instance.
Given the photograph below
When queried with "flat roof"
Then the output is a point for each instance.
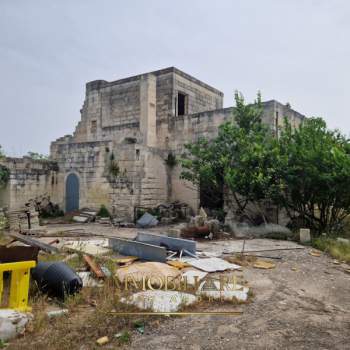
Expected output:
(97, 84)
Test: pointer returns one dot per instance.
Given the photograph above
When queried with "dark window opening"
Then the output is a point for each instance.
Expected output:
(276, 123)
(93, 126)
(137, 154)
(181, 104)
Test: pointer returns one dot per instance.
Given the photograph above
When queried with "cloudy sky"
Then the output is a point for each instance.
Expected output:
(293, 51)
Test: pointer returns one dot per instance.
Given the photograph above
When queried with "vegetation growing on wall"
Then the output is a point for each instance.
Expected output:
(305, 170)
(103, 212)
(4, 171)
(171, 160)
(37, 156)
(113, 166)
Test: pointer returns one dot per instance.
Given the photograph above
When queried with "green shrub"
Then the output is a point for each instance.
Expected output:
(338, 250)
(103, 212)
(4, 175)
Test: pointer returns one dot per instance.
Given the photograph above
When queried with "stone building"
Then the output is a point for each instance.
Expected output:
(121, 150)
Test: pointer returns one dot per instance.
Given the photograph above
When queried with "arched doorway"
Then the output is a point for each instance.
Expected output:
(72, 192)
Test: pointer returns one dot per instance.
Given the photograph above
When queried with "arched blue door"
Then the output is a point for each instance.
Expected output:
(72, 193)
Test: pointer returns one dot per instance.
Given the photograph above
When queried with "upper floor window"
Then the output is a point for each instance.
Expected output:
(182, 104)
(93, 128)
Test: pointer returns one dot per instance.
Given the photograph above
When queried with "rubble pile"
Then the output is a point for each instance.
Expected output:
(44, 206)
(153, 271)
(201, 226)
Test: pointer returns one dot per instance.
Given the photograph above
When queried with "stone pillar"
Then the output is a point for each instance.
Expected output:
(148, 94)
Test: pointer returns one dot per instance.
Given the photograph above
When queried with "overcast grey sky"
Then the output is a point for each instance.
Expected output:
(296, 51)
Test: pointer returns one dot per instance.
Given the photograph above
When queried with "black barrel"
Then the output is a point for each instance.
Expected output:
(56, 279)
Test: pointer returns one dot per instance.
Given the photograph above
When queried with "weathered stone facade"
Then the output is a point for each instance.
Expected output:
(127, 130)
(28, 180)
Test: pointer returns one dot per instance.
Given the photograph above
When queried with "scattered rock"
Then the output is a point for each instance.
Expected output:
(102, 341)
(80, 219)
(160, 301)
(203, 213)
(159, 272)
(227, 292)
(56, 313)
(315, 253)
(104, 221)
(214, 226)
(88, 280)
(147, 220)
(263, 264)
(12, 323)
(197, 221)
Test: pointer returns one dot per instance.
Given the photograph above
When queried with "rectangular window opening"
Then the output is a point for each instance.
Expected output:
(181, 104)
(93, 126)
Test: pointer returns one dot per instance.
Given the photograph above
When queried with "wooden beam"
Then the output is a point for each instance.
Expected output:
(34, 243)
(94, 266)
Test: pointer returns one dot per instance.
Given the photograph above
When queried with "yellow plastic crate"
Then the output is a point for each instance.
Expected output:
(19, 288)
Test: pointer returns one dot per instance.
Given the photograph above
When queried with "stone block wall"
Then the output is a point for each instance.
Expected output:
(88, 161)
(142, 180)
(29, 179)
(165, 96)
(201, 97)
(118, 104)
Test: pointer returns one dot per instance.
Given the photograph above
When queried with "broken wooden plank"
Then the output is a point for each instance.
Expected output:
(95, 268)
(34, 243)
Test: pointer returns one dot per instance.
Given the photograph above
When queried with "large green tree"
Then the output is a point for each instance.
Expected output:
(305, 171)
(314, 173)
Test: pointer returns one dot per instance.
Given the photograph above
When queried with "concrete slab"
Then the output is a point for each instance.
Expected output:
(175, 244)
(86, 247)
(212, 264)
(142, 250)
(161, 301)
(251, 245)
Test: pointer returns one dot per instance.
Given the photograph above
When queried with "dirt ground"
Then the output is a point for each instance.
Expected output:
(303, 303)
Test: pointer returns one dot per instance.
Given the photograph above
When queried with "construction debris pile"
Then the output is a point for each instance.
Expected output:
(152, 271)
(174, 270)
(45, 207)
(199, 226)
(164, 214)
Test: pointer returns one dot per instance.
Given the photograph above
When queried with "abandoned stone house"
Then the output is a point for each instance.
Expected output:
(117, 155)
